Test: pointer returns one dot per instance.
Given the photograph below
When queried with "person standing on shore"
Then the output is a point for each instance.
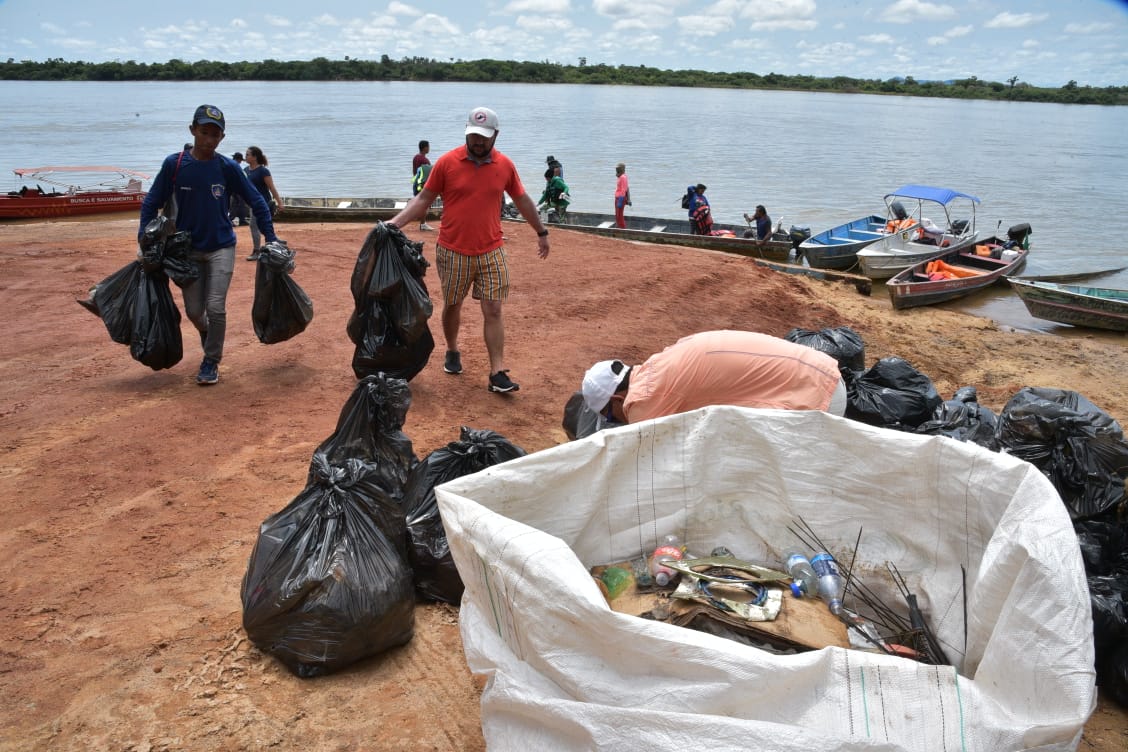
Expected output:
(261, 179)
(473, 180)
(420, 171)
(202, 183)
(239, 214)
(622, 195)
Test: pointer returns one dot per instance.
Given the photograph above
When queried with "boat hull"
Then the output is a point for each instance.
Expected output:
(676, 232)
(837, 248)
(52, 206)
(912, 287)
(345, 209)
(884, 260)
(1077, 305)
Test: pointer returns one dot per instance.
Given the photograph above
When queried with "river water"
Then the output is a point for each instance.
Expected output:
(812, 159)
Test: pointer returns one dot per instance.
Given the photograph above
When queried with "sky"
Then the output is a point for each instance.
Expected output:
(1042, 42)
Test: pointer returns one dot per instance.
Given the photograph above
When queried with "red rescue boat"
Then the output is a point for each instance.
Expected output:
(73, 191)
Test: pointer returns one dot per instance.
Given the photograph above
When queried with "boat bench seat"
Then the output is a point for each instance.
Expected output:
(868, 233)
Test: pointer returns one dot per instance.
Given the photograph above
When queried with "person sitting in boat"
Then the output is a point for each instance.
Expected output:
(763, 228)
(556, 196)
(747, 369)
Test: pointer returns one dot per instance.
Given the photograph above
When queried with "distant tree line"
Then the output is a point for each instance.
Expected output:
(508, 71)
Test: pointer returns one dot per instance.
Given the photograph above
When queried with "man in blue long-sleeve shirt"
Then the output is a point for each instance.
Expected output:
(202, 182)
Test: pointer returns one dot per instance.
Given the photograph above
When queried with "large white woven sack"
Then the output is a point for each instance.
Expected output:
(567, 673)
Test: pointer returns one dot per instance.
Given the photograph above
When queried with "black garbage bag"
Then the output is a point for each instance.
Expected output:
(328, 582)
(579, 420)
(379, 348)
(391, 306)
(1112, 673)
(163, 248)
(436, 577)
(1078, 446)
(841, 343)
(156, 340)
(891, 393)
(281, 308)
(963, 418)
(114, 298)
(1104, 544)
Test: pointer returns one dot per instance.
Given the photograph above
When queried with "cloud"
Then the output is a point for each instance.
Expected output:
(1015, 20)
(911, 11)
(1092, 28)
(550, 24)
(278, 21)
(704, 26)
(403, 9)
(877, 39)
(553, 7)
(780, 15)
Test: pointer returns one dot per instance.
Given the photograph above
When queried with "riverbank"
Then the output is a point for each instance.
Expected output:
(134, 497)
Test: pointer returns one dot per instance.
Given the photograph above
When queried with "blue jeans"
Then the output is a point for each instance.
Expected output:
(205, 300)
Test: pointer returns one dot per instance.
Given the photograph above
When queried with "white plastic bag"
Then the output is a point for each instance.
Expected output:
(566, 672)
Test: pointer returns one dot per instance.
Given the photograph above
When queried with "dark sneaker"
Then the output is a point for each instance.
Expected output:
(500, 382)
(253, 257)
(453, 362)
(209, 372)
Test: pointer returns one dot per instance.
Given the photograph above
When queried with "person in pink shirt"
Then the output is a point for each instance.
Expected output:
(622, 195)
(746, 369)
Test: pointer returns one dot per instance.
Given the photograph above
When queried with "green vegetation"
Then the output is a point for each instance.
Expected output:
(508, 71)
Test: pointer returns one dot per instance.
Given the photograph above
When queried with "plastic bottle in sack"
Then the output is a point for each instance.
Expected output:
(670, 549)
(831, 585)
(804, 581)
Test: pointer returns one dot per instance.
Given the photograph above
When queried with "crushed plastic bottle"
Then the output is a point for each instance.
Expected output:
(804, 581)
(831, 586)
(670, 549)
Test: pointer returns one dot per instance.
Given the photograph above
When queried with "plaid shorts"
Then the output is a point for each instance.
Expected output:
(488, 274)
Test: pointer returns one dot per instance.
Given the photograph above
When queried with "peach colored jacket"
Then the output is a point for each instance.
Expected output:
(731, 368)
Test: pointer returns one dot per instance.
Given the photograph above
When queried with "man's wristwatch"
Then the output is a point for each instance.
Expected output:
(543, 233)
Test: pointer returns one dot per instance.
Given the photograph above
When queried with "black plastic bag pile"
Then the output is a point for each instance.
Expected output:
(841, 343)
(328, 582)
(436, 577)
(964, 419)
(391, 307)
(135, 302)
(1104, 546)
(892, 394)
(281, 308)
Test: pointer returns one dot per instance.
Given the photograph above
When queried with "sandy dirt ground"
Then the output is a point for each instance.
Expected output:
(132, 498)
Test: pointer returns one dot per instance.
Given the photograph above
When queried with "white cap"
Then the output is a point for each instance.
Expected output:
(601, 381)
(482, 121)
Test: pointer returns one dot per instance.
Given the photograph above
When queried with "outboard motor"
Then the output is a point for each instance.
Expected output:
(1019, 235)
(798, 235)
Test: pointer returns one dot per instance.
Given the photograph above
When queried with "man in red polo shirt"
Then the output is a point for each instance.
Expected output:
(472, 180)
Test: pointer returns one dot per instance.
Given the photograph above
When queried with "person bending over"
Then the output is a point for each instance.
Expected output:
(725, 367)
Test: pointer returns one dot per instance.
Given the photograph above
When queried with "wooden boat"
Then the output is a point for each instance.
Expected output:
(922, 238)
(727, 238)
(955, 274)
(837, 248)
(95, 189)
(330, 209)
(1078, 305)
